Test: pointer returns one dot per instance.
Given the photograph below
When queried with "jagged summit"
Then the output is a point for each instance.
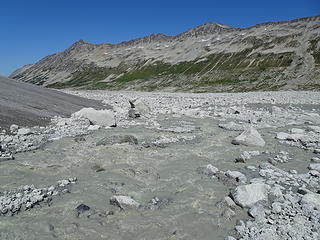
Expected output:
(205, 29)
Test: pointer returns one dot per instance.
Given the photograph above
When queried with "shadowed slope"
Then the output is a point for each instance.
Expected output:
(27, 104)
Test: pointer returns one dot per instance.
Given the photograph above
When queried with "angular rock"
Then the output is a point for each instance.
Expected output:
(246, 155)
(257, 212)
(297, 130)
(248, 195)
(140, 106)
(314, 166)
(282, 136)
(24, 131)
(134, 113)
(94, 127)
(124, 202)
(238, 176)
(250, 137)
(104, 118)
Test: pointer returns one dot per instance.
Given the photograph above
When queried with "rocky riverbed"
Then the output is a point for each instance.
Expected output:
(167, 166)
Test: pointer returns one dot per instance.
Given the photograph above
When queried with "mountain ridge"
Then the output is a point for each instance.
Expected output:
(99, 66)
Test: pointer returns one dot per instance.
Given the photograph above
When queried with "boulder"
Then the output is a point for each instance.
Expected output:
(24, 131)
(14, 128)
(250, 137)
(94, 127)
(311, 199)
(314, 166)
(257, 212)
(297, 130)
(248, 195)
(6, 157)
(282, 136)
(104, 118)
(246, 155)
(124, 202)
(208, 170)
(132, 113)
(139, 106)
(238, 176)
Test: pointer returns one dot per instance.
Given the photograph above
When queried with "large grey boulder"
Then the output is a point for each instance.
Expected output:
(104, 117)
(124, 202)
(248, 195)
(311, 199)
(139, 106)
(249, 137)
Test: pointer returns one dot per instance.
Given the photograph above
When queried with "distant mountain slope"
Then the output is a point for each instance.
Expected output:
(29, 105)
(211, 57)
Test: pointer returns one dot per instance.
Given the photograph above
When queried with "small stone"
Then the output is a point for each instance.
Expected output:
(238, 176)
(208, 170)
(276, 207)
(82, 208)
(230, 238)
(316, 151)
(14, 128)
(228, 213)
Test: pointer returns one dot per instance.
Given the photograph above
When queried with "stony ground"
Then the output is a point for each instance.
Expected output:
(167, 166)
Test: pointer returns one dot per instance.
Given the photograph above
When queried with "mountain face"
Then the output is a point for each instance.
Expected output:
(211, 57)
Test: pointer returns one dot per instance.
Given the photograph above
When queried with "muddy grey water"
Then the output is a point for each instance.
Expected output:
(167, 172)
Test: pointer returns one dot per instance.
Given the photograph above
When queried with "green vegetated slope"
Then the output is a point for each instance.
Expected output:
(240, 71)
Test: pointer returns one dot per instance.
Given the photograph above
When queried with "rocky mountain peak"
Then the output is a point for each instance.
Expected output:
(205, 29)
(80, 46)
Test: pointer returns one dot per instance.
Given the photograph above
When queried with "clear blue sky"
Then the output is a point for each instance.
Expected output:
(32, 29)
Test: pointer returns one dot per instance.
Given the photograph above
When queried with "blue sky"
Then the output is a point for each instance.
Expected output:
(33, 29)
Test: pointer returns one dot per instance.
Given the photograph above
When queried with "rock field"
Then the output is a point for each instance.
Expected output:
(167, 166)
